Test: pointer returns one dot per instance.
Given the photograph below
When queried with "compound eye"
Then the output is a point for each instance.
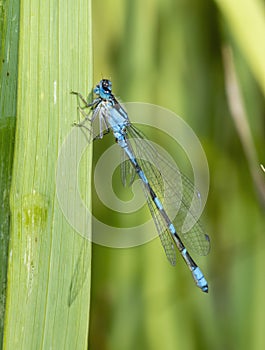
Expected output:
(106, 85)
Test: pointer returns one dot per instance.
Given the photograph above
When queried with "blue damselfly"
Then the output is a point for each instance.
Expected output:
(109, 116)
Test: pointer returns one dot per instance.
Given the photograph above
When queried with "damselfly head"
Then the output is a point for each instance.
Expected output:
(103, 89)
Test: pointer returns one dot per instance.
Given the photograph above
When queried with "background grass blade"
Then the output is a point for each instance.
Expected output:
(247, 25)
(55, 57)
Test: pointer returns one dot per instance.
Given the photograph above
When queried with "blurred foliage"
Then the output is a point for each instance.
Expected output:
(169, 52)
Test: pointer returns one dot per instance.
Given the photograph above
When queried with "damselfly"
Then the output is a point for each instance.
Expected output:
(106, 114)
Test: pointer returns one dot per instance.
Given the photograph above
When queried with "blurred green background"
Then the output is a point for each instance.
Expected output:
(191, 57)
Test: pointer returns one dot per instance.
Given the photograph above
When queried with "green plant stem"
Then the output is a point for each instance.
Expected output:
(55, 56)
